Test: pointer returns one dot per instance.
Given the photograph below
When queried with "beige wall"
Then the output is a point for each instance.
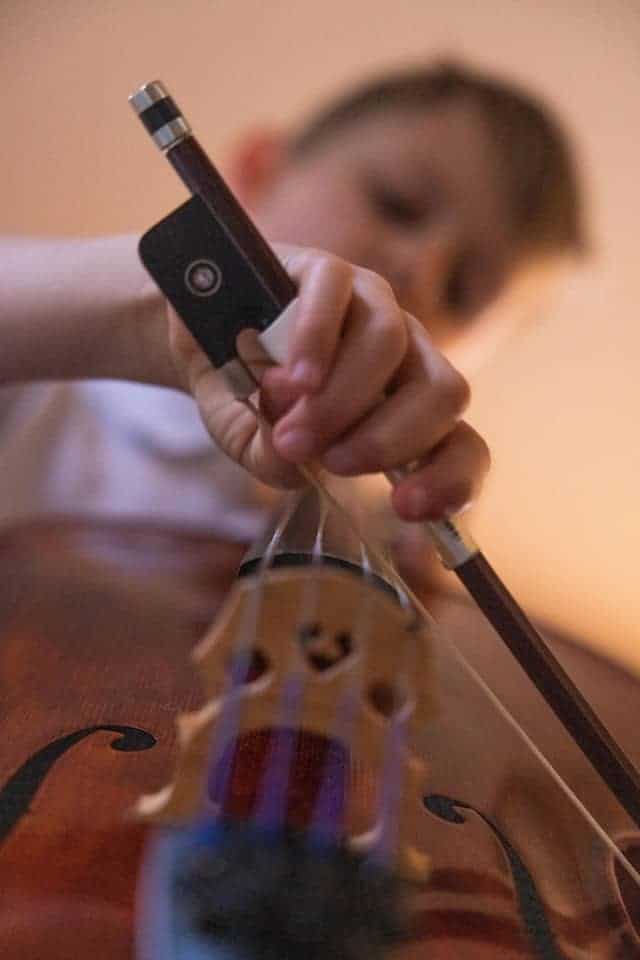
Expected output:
(560, 405)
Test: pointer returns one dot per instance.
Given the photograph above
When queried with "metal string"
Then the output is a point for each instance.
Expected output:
(325, 824)
(232, 698)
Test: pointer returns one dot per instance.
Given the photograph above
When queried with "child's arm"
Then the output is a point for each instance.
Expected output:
(85, 308)
(80, 309)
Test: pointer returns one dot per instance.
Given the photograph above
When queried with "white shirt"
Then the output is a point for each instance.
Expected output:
(119, 450)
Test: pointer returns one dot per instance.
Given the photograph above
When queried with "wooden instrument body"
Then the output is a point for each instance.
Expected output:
(94, 650)
(96, 625)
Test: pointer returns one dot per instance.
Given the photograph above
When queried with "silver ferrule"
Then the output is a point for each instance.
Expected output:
(454, 546)
(165, 124)
(147, 95)
(171, 134)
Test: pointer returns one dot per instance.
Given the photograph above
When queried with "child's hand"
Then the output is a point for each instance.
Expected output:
(363, 391)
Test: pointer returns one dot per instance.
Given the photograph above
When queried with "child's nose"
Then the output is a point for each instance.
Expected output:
(423, 268)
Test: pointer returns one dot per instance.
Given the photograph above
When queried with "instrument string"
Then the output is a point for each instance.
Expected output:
(331, 811)
(510, 720)
(330, 804)
(270, 811)
(394, 756)
(390, 791)
(271, 807)
(232, 699)
(330, 808)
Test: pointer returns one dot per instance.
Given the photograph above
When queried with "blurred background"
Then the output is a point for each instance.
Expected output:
(559, 406)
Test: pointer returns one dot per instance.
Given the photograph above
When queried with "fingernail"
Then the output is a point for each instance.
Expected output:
(455, 508)
(417, 503)
(339, 460)
(455, 503)
(295, 445)
(440, 511)
(307, 374)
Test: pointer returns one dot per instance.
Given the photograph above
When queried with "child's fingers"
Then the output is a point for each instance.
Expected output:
(448, 480)
(325, 288)
(369, 354)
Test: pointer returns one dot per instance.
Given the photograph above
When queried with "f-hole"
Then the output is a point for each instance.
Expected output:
(530, 905)
(18, 792)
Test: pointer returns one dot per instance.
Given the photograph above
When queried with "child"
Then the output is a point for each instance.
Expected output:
(446, 183)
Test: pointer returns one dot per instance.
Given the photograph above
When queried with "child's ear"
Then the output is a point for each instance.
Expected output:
(254, 164)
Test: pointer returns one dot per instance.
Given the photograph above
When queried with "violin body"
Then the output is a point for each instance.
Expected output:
(96, 625)
(94, 656)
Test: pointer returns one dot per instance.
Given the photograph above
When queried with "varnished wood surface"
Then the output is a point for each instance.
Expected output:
(95, 629)
(96, 625)
(613, 692)
(493, 768)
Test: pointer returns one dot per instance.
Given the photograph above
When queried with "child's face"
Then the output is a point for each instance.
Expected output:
(415, 196)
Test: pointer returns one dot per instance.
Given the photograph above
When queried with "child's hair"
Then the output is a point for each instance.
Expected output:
(538, 165)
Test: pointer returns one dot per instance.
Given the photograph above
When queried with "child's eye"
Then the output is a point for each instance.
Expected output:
(395, 207)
